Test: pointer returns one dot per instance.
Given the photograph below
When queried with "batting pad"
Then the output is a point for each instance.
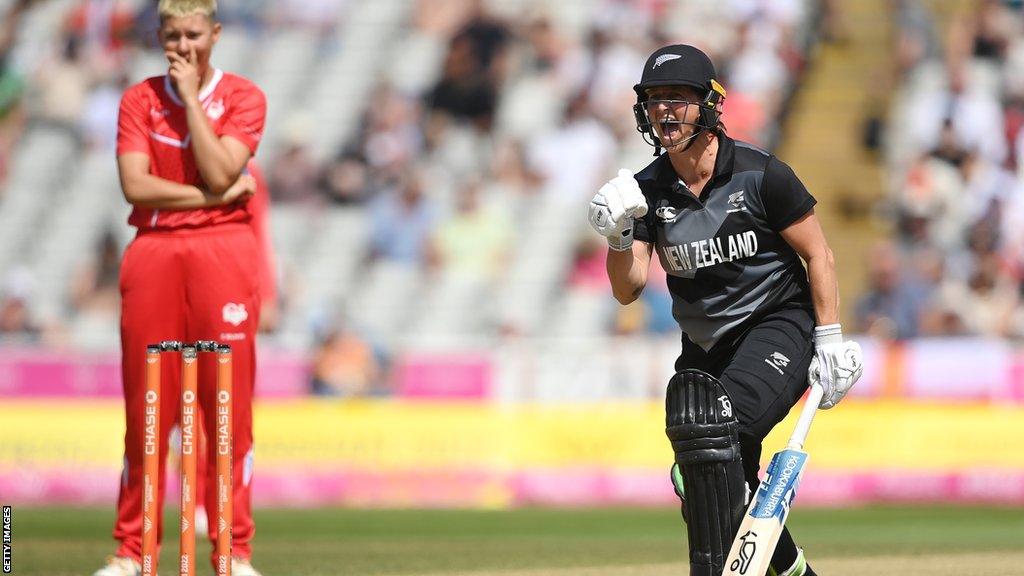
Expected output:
(704, 433)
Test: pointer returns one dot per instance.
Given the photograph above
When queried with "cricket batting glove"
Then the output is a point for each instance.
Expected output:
(836, 364)
(614, 207)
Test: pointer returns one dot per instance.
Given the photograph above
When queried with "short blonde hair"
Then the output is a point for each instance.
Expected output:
(182, 8)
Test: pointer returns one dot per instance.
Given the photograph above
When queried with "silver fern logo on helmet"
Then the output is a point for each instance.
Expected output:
(664, 58)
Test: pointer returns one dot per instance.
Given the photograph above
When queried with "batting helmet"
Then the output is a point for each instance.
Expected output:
(679, 65)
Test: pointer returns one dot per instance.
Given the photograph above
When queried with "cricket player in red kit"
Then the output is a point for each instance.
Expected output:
(259, 204)
(193, 270)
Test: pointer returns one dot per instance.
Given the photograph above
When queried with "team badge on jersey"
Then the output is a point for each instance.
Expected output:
(215, 110)
(737, 202)
(234, 314)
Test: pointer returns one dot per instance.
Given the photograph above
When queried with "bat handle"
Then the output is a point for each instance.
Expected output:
(803, 425)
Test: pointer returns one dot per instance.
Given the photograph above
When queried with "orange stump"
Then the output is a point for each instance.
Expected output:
(151, 462)
(189, 423)
(190, 435)
(224, 449)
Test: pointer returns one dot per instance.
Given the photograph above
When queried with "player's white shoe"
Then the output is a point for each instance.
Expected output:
(202, 523)
(120, 566)
(242, 567)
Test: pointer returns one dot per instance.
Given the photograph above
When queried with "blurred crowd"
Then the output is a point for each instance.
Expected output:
(524, 108)
(954, 150)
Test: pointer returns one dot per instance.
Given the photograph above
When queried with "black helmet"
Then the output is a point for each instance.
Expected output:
(679, 65)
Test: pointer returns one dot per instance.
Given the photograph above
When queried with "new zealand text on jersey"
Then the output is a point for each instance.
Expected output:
(704, 253)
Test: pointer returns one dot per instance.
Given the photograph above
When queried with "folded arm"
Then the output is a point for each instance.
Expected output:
(145, 190)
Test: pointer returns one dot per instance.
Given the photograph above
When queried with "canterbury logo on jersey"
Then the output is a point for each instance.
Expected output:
(666, 213)
(704, 253)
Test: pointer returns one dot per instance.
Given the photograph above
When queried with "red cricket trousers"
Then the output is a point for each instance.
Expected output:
(188, 285)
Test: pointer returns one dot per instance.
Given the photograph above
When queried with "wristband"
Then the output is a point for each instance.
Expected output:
(828, 334)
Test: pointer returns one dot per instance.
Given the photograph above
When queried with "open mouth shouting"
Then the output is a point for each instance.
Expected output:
(670, 129)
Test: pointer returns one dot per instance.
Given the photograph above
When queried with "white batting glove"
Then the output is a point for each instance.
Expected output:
(836, 365)
(615, 206)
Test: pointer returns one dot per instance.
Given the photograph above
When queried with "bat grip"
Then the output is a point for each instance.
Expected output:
(803, 425)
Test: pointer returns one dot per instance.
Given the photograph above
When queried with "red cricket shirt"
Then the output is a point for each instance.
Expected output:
(152, 120)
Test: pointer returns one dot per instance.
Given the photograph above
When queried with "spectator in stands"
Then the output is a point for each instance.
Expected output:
(936, 317)
(588, 269)
(613, 65)
(391, 136)
(652, 312)
(98, 124)
(984, 305)
(16, 323)
(475, 241)
(473, 70)
(581, 141)
(402, 220)
(12, 85)
(317, 16)
(293, 174)
(978, 295)
(985, 32)
(930, 206)
(345, 180)
(917, 40)
(1011, 231)
(988, 187)
(510, 179)
(103, 30)
(346, 365)
(748, 118)
(657, 301)
(64, 86)
(95, 286)
(249, 14)
(971, 110)
(891, 307)
(757, 71)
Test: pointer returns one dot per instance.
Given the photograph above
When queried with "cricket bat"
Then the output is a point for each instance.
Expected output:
(762, 525)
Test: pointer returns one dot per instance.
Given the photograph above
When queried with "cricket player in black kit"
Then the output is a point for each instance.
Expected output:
(730, 224)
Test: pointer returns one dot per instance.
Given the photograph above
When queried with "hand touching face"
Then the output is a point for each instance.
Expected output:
(188, 42)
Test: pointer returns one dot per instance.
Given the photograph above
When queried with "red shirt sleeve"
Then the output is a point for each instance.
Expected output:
(246, 116)
(132, 124)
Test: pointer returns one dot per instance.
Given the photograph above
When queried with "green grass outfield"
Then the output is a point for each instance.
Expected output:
(542, 542)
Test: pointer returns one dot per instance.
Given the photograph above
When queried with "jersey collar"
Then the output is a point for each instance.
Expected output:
(660, 172)
(203, 95)
(726, 157)
(662, 175)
